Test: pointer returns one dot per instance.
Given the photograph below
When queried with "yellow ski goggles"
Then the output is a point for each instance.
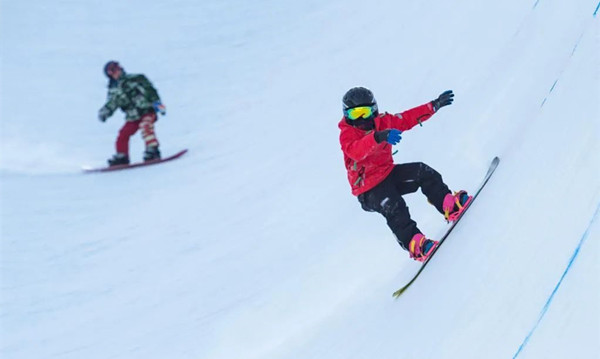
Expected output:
(356, 113)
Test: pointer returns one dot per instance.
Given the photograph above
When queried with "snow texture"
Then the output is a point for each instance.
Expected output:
(251, 245)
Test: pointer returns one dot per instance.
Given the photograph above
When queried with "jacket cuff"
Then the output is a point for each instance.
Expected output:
(430, 107)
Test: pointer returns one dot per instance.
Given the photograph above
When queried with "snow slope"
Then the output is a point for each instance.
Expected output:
(251, 246)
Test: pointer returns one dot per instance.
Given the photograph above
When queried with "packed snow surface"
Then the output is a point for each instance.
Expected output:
(251, 245)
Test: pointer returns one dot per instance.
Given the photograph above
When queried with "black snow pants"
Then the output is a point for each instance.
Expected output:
(386, 197)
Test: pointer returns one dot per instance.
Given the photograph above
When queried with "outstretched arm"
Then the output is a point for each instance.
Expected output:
(416, 116)
(406, 120)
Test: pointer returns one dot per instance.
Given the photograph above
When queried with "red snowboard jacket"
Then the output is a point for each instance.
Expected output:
(368, 163)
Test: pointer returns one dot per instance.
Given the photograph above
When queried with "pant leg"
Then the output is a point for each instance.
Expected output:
(128, 129)
(147, 129)
(409, 177)
(387, 200)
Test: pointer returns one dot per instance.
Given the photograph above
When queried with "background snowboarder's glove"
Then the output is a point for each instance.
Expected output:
(444, 99)
(103, 114)
(159, 108)
(392, 136)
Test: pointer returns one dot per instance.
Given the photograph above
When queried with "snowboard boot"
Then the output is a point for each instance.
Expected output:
(151, 153)
(455, 204)
(118, 159)
(420, 248)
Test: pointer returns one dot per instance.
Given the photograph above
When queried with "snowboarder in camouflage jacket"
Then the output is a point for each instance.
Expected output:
(134, 95)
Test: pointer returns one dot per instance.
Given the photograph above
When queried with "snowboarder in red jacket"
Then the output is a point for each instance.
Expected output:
(367, 137)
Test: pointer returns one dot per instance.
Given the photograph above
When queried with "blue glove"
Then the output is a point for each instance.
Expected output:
(159, 108)
(391, 136)
(394, 136)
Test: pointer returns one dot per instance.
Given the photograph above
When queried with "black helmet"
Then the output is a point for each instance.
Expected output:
(110, 67)
(358, 96)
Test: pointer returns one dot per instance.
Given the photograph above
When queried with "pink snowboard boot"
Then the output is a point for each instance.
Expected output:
(420, 248)
(455, 204)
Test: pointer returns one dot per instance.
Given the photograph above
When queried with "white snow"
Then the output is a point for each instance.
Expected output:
(251, 245)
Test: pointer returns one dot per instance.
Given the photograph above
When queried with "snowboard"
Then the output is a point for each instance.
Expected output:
(134, 165)
(489, 173)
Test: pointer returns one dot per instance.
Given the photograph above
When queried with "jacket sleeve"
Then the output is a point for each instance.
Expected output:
(408, 119)
(358, 149)
(147, 89)
(111, 104)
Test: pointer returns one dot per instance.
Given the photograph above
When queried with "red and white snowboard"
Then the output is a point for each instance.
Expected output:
(134, 165)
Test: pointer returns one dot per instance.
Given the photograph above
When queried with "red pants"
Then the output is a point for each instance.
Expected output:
(146, 124)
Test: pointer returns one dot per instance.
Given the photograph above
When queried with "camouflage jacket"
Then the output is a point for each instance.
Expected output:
(134, 94)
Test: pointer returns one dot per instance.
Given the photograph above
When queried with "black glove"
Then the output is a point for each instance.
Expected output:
(103, 114)
(444, 99)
